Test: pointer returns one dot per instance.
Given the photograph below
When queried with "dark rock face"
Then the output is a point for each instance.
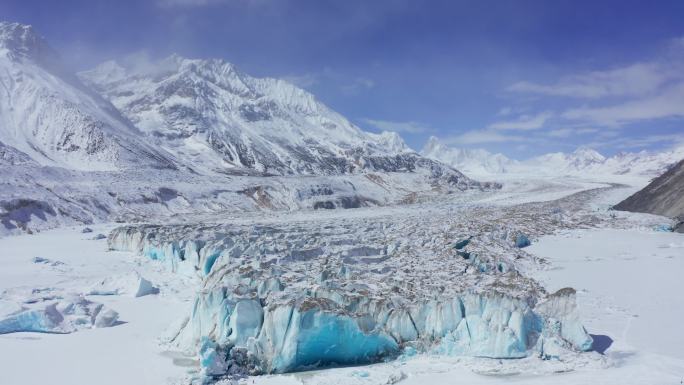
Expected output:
(663, 196)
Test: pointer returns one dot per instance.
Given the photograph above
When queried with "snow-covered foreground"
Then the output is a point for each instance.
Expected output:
(127, 353)
(629, 285)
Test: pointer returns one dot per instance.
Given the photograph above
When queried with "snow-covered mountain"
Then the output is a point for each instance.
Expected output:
(49, 116)
(217, 118)
(470, 161)
(189, 136)
(587, 161)
(582, 161)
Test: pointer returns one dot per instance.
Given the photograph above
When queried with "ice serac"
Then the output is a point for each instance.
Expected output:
(279, 297)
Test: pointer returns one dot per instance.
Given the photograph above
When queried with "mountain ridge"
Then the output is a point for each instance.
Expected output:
(207, 108)
(581, 161)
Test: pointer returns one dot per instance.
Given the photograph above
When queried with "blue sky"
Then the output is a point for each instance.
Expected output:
(518, 77)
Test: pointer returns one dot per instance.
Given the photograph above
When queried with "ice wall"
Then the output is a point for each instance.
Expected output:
(298, 310)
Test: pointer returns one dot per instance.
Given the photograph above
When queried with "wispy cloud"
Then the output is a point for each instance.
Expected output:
(668, 103)
(407, 127)
(631, 143)
(567, 132)
(633, 80)
(303, 80)
(607, 101)
(523, 122)
(357, 85)
(486, 136)
(189, 3)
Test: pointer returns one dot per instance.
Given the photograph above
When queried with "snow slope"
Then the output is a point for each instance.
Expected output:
(663, 196)
(51, 117)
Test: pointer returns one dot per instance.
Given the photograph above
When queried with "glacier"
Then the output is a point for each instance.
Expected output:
(317, 290)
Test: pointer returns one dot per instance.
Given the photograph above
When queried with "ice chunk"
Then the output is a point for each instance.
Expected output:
(105, 318)
(130, 284)
(144, 287)
(521, 241)
(46, 320)
(212, 360)
(245, 321)
(663, 228)
(562, 317)
(65, 316)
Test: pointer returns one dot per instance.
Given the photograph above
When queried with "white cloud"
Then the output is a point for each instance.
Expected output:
(523, 123)
(302, 81)
(669, 103)
(408, 127)
(634, 80)
(568, 132)
(357, 85)
(189, 3)
(505, 111)
(611, 99)
(484, 136)
(669, 141)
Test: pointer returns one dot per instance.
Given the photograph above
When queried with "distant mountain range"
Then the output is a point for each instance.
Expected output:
(183, 136)
(582, 161)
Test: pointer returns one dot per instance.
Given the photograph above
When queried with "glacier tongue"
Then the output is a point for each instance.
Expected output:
(287, 294)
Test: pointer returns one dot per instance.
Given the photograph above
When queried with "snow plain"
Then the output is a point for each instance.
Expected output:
(629, 295)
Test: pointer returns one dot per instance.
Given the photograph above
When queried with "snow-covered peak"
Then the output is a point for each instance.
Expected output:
(470, 161)
(432, 145)
(392, 142)
(22, 41)
(584, 155)
(47, 114)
